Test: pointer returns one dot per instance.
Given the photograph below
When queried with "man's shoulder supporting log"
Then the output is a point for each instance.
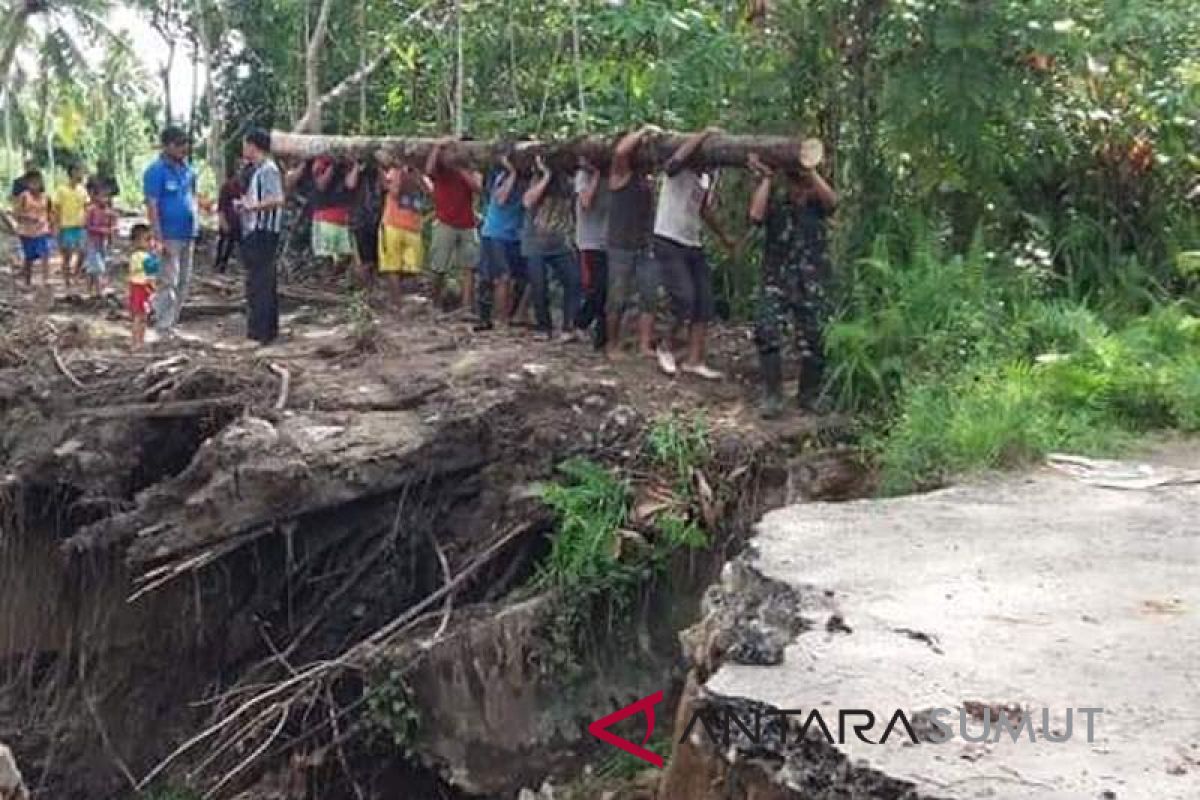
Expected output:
(717, 151)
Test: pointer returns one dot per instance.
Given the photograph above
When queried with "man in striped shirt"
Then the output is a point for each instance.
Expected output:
(262, 220)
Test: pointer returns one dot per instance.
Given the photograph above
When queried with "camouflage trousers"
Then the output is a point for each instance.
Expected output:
(793, 300)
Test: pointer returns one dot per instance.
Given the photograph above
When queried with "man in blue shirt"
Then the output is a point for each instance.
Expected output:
(500, 262)
(170, 188)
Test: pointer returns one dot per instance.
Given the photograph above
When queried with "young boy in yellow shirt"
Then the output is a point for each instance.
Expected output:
(70, 204)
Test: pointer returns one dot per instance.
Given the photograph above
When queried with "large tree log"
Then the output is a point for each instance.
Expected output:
(717, 151)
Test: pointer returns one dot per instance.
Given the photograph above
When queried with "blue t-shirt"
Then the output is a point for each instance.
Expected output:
(172, 186)
(503, 221)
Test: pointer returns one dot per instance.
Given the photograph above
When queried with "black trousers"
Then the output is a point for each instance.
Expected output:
(262, 300)
(594, 266)
(227, 242)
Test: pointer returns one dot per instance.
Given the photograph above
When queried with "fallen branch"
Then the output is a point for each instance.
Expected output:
(448, 608)
(347, 660)
(62, 367)
(285, 384)
(716, 151)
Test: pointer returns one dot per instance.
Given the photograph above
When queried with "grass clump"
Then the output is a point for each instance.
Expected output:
(962, 364)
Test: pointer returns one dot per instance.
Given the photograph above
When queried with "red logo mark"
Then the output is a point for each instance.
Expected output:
(600, 727)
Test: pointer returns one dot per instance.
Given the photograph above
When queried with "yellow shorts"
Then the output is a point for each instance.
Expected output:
(400, 251)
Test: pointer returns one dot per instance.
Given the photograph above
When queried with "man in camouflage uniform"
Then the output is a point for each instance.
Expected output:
(793, 210)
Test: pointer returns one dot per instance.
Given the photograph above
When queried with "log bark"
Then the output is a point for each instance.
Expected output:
(717, 151)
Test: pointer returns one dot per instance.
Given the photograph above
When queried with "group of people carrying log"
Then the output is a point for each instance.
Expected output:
(599, 222)
(603, 226)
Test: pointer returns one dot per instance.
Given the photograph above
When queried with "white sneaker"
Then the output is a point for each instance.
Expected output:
(703, 371)
(566, 337)
(666, 361)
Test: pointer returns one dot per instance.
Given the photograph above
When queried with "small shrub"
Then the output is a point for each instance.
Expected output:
(391, 710)
(679, 443)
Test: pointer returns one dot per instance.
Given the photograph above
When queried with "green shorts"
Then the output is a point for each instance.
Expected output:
(330, 240)
(453, 249)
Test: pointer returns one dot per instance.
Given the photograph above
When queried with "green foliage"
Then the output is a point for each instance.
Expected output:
(597, 568)
(679, 443)
(170, 793)
(391, 710)
(620, 766)
(362, 321)
(679, 531)
(591, 505)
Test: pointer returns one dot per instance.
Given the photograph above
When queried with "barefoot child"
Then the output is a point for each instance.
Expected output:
(33, 226)
(100, 222)
(70, 204)
(143, 267)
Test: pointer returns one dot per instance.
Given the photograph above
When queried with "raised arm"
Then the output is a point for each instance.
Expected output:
(827, 197)
(622, 162)
(507, 183)
(294, 175)
(534, 195)
(762, 195)
(591, 186)
(353, 176)
(434, 159)
(683, 154)
(324, 178)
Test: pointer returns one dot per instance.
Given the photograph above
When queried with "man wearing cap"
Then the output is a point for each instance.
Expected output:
(169, 185)
(793, 205)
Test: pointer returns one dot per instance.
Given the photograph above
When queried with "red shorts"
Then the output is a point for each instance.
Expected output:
(139, 299)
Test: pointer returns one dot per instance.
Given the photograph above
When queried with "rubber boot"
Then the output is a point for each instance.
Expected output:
(809, 396)
(771, 364)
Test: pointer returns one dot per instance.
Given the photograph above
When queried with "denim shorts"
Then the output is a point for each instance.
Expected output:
(498, 258)
(36, 247)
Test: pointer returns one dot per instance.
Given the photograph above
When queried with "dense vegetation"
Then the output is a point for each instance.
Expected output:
(1016, 252)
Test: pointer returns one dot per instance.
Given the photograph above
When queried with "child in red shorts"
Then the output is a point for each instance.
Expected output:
(143, 267)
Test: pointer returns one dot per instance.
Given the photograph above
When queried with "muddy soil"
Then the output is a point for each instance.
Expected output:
(223, 544)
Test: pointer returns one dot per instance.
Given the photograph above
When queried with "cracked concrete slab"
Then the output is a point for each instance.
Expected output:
(1035, 592)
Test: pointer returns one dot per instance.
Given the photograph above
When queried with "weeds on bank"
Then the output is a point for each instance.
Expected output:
(597, 564)
(966, 363)
(391, 710)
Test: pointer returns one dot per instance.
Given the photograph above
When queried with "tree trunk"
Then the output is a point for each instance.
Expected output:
(717, 151)
(14, 31)
(165, 75)
(459, 71)
(313, 102)
(191, 128)
(362, 65)
(578, 64)
(216, 153)
(314, 99)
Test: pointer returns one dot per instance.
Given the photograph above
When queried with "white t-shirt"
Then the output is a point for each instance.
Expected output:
(679, 204)
(591, 226)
